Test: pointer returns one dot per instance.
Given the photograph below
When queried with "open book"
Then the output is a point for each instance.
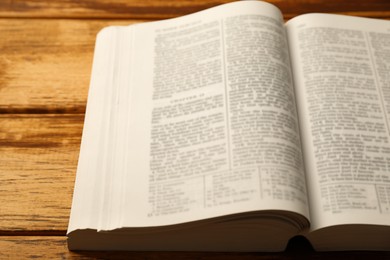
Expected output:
(228, 130)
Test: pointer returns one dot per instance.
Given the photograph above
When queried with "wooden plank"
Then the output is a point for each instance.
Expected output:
(159, 9)
(156, 9)
(38, 158)
(372, 8)
(46, 247)
(45, 64)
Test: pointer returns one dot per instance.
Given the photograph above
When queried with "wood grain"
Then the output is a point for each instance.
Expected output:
(160, 9)
(45, 64)
(38, 158)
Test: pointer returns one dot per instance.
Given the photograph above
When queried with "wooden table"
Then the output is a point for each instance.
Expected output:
(46, 50)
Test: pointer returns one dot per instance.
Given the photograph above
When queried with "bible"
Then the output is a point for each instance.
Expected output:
(230, 130)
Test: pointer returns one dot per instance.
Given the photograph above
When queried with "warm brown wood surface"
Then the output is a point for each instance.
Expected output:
(38, 158)
(159, 9)
(46, 50)
(45, 64)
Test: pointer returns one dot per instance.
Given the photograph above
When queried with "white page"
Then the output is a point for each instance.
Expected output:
(341, 73)
(89, 184)
(190, 175)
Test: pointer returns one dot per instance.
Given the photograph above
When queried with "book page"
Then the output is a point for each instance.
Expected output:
(342, 80)
(88, 184)
(212, 124)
